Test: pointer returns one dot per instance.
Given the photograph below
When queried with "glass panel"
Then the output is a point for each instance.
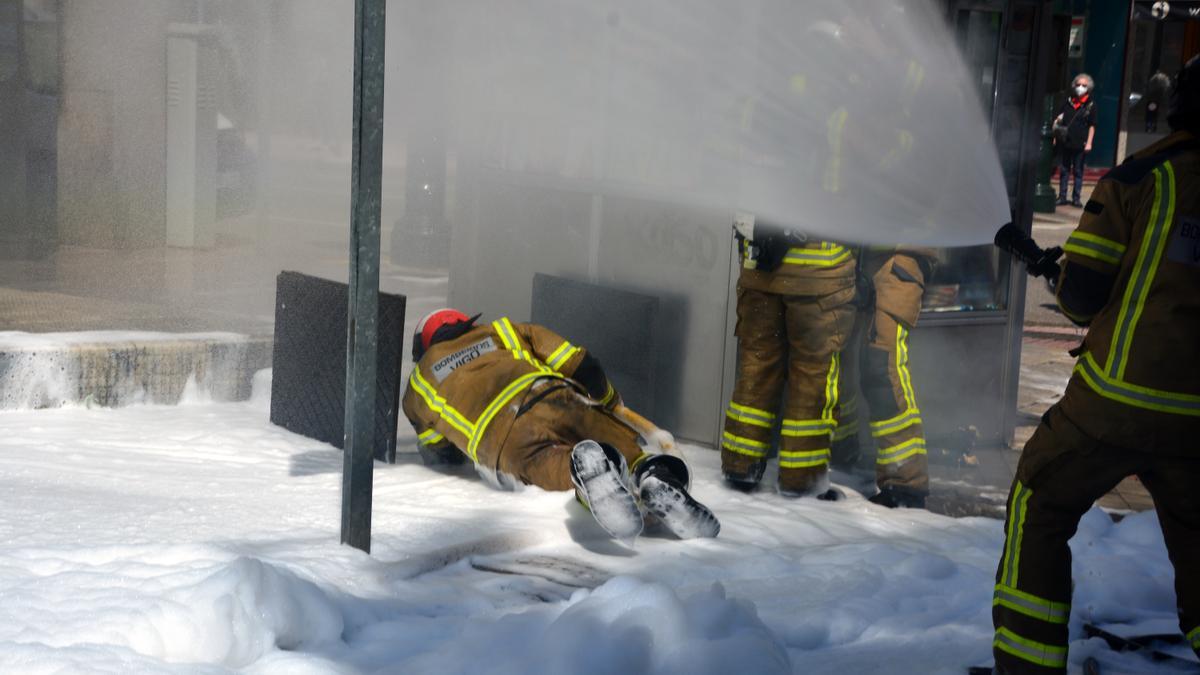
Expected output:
(971, 278)
(1159, 49)
(261, 151)
(979, 39)
(41, 45)
(9, 30)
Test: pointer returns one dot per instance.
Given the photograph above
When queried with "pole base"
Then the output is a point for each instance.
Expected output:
(1043, 199)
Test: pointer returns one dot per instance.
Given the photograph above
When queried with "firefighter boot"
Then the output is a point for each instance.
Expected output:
(743, 475)
(893, 496)
(601, 479)
(662, 482)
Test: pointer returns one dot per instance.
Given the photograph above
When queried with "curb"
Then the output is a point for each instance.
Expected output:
(1065, 333)
(119, 372)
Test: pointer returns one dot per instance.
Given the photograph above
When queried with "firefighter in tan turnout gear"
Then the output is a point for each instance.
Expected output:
(1132, 405)
(794, 316)
(891, 285)
(527, 406)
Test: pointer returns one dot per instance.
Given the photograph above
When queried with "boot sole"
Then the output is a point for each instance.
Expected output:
(604, 492)
(685, 517)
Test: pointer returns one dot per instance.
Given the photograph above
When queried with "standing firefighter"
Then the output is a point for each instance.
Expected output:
(527, 406)
(794, 316)
(1132, 406)
(891, 284)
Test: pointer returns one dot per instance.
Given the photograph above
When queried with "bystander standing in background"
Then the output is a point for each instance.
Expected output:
(1074, 129)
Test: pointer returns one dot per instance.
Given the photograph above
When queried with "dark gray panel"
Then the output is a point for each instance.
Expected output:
(308, 382)
(958, 378)
(618, 327)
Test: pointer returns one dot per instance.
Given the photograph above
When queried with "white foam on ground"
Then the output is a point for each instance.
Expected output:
(201, 539)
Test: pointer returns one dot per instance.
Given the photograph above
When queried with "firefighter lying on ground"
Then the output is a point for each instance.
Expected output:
(526, 406)
(1132, 405)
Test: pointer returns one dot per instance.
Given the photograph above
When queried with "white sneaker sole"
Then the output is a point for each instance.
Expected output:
(685, 517)
(605, 492)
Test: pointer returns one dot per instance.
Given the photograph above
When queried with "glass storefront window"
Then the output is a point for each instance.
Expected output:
(41, 45)
(1158, 49)
(969, 279)
(10, 61)
(973, 278)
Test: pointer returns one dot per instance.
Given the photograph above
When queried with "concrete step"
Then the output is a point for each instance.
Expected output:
(114, 368)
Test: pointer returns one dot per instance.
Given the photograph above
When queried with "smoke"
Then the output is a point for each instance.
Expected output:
(850, 120)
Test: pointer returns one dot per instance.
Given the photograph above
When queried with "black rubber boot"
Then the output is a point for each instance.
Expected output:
(662, 482)
(893, 496)
(440, 455)
(747, 481)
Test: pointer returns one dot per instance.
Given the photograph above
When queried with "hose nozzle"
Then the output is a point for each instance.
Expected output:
(1039, 262)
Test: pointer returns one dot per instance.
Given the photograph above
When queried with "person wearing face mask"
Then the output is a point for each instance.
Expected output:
(1074, 129)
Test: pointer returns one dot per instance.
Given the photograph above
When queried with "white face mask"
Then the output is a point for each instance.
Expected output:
(1080, 90)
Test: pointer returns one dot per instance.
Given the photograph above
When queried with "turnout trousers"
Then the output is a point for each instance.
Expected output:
(877, 360)
(551, 418)
(1062, 472)
(797, 339)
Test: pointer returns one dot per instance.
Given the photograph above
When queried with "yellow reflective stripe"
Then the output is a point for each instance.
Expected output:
(900, 422)
(901, 451)
(799, 83)
(508, 335)
(1153, 242)
(905, 377)
(1015, 530)
(844, 431)
(609, 394)
(817, 258)
(1193, 637)
(848, 406)
(748, 415)
(499, 327)
(565, 352)
(1133, 394)
(904, 144)
(439, 405)
(835, 128)
(912, 82)
(430, 436)
(743, 445)
(803, 459)
(1031, 605)
(806, 427)
(1050, 656)
(1093, 246)
(831, 388)
(515, 387)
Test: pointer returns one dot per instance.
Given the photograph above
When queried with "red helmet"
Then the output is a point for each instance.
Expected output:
(429, 325)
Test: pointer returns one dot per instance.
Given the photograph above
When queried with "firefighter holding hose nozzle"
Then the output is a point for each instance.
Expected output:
(1131, 274)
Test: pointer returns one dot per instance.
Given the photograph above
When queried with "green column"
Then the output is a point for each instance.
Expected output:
(366, 190)
(1043, 193)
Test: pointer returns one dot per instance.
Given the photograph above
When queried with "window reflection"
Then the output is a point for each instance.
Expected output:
(41, 45)
(967, 279)
(972, 278)
(9, 59)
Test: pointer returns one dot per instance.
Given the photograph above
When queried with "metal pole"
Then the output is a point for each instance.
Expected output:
(363, 307)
